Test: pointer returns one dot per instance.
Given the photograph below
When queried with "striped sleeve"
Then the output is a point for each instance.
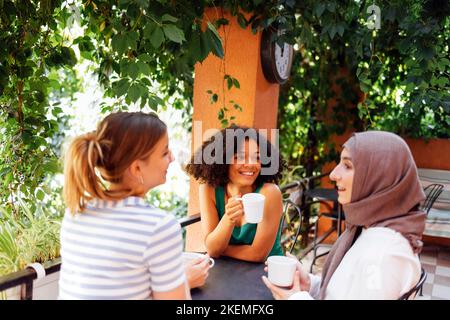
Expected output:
(163, 255)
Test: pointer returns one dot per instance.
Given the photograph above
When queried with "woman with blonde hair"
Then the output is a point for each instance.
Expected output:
(377, 255)
(113, 244)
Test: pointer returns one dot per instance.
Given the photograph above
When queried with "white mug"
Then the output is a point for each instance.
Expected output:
(188, 256)
(253, 207)
(281, 270)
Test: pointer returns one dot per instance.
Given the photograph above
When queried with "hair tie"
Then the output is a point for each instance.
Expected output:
(93, 142)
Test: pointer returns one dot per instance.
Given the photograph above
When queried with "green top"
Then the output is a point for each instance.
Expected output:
(245, 233)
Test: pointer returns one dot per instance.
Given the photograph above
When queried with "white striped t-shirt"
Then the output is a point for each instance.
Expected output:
(120, 250)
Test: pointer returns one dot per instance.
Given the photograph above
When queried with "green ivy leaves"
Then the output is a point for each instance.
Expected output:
(157, 33)
(122, 42)
(136, 44)
(173, 33)
(212, 41)
(203, 43)
(134, 68)
(36, 68)
(135, 91)
(214, 97)
(231, 82)
(154, 34)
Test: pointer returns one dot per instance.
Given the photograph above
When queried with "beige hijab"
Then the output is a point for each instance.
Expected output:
(386, 193)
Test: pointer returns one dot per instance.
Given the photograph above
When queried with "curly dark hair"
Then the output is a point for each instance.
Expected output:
(216, 174)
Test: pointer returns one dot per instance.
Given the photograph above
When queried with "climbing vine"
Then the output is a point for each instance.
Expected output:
(144, 52)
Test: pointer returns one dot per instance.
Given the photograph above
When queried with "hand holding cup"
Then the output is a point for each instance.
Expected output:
(283, 276)
(253, 204)
(197, 267)
(304, 280)
(234, 210)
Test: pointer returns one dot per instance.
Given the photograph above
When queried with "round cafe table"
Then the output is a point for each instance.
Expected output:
(232, 279)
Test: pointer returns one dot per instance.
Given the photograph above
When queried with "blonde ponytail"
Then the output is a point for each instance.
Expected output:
(81, 182)
(103, 156)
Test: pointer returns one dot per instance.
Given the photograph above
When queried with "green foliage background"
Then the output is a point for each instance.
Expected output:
(395, 78)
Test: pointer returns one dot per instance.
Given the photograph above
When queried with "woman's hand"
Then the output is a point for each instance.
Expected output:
(305, 281)
(280, 293)
(197, 270)
(234, 210)
(301, 277)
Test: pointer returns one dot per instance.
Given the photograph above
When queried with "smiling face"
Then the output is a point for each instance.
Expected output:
(246, 165)
(154, 168)
(343, 175)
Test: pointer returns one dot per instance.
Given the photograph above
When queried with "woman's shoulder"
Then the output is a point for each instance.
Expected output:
(389, 250)
(158, 219)
(148, 213)
(206, 190)
(383, 233)
(270, 189)
(131, 214)
(139, 210)
(385, 241)
(206, 187)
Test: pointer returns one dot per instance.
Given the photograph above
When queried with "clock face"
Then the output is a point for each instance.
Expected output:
(283, 58)
(276, 59)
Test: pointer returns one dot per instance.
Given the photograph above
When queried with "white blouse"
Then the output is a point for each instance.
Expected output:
(380, 265)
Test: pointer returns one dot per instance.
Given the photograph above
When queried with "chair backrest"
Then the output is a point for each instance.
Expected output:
(295, 204)
(413, 292)
(432, 192)
(291, 224)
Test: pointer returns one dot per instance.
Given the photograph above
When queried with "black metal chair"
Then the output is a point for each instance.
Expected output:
(418, 287)
(324, 196)
(295, 221)
(300, 197)
(291, 224)
(432, 191)
(292, 218)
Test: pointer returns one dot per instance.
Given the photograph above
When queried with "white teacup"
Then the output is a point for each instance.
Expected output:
(281, 270)
(253, 207)
(188, 256)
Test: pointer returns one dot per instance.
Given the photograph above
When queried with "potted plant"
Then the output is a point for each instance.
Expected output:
(29, 237)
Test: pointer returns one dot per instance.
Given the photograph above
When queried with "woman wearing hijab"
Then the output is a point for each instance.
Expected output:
(377, 255)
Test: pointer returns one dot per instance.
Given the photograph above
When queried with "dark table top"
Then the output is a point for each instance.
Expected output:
(232, 279)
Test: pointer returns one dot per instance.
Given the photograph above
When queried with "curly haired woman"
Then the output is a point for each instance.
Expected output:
(238, 169)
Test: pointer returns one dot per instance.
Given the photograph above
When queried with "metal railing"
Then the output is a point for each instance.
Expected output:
(25, 278)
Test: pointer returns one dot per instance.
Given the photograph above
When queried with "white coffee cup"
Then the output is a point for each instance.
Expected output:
(188, 256)
(253, 207)
(281, 270)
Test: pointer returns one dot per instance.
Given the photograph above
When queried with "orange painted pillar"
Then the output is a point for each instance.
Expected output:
(257, 97)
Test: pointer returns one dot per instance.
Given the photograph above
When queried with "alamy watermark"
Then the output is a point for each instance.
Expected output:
(214, 152)
(374, 20)
(373, 277)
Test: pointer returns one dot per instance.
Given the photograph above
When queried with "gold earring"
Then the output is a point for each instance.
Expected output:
(141, 180)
